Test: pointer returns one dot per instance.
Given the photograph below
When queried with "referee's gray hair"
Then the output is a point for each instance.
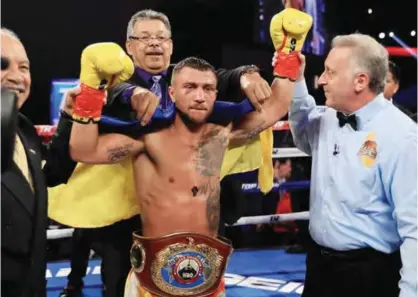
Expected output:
(145, 15)
(9, 33)
(368, 56)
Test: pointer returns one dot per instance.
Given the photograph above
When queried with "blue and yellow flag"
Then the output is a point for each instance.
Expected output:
(95, 196)
(257, 154)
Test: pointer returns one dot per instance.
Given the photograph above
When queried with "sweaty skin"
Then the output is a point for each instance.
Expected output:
(177, 169)
(170, 169)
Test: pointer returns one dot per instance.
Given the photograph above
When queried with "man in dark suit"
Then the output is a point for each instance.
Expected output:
(23, 184)
(150, 46)
(393, 80)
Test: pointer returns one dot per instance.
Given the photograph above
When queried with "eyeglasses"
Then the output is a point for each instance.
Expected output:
(148, 39)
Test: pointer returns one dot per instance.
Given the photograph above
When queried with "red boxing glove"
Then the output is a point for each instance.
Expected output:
(287, 65)
(88, 105)
(288, 30)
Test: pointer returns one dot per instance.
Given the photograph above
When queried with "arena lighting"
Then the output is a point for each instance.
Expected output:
(413, 33)
(404, 46)
(370, 11)
(382, 35)
(391, 34)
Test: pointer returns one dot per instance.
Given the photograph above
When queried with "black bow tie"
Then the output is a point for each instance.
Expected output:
(343, 119)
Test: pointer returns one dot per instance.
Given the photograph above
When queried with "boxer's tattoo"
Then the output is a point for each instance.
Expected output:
(212, 192)
(210, 152)
(249, 134)
(117, 154)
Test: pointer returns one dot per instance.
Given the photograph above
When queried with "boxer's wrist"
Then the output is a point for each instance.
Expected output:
(301, 77)
(88, 105)
(288, 65)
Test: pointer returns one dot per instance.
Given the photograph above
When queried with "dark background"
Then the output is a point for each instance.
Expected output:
(221, 31)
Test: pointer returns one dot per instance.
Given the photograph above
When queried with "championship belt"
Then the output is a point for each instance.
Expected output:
(180, 264)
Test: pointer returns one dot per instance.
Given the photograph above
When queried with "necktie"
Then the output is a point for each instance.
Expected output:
(20, 158)
(156, 88)
(343, 119)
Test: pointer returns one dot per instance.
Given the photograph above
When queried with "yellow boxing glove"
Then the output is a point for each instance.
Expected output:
(102, 66)
(288, 30)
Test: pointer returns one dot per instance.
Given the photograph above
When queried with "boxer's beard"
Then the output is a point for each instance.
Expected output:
(187, 120)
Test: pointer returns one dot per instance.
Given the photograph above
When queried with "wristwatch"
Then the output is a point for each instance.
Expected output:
(249, 69)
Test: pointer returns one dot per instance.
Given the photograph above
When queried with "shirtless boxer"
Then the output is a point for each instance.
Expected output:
(177, 253)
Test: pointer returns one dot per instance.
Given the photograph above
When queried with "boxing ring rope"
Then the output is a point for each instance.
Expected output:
(253, 187)
(46, 132)
(251, 220)
(244, 221)
(271, 219)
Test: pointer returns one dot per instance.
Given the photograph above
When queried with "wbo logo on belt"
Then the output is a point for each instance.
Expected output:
(188, 268)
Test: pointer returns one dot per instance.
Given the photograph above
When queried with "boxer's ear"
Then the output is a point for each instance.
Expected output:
(171, 93)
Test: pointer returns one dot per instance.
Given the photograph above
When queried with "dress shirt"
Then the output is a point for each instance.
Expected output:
(364, 183)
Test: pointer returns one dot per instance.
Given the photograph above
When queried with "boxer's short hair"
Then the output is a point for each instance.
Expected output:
(145, 15)
(194, 63)
(368, 56)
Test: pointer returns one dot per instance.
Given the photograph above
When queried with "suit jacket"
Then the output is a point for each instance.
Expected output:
(24, 212)
(229, 89)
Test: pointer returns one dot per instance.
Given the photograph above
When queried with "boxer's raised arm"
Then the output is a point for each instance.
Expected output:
(86, 146)
(288, 30)
(102, 66)
(273, 109)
